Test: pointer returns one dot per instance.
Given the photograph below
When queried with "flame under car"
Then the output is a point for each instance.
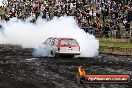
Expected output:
(62, 46)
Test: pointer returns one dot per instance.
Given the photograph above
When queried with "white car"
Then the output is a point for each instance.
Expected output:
(61, 47)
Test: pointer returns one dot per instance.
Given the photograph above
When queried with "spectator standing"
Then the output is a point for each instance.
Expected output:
(106, 30)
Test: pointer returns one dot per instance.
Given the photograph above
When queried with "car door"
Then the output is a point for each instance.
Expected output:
(55, 45)
(50, 43)
(47, 47)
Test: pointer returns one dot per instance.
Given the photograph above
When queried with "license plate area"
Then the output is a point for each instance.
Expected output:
(70, 49)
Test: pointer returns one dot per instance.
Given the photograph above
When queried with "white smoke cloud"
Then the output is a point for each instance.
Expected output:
(0, 2)
(32, 35)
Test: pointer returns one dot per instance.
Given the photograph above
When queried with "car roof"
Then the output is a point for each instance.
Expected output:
(61, 38)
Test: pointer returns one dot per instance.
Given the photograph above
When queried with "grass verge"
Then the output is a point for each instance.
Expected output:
(116, 44)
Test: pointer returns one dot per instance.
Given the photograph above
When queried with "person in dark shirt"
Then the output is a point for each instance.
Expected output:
(130, 15)
(118, 30)
(106, 30)
(127, 26)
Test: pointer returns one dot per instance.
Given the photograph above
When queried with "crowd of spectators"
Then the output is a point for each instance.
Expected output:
(101, 16)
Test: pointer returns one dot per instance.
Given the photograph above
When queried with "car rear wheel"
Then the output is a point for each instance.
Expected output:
(71, 56)
(54, 54)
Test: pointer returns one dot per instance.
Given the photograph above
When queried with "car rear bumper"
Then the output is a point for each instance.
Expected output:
(69, 53)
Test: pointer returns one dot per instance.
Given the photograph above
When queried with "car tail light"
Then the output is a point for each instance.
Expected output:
(58, 49)
(58, 44)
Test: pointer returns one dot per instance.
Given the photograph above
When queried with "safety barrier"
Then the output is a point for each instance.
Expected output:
(115, 50)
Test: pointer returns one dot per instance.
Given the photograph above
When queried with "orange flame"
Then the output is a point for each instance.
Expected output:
(81, 71)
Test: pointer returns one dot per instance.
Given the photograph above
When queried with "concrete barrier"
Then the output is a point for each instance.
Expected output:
(114, 40)
(115, 50)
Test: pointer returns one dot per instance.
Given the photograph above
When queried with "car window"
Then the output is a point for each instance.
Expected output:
(68, 42)
(51, 42)
(56, 42)
(48, 40)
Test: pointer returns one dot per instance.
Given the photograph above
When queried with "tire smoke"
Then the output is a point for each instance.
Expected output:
(30, 35)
